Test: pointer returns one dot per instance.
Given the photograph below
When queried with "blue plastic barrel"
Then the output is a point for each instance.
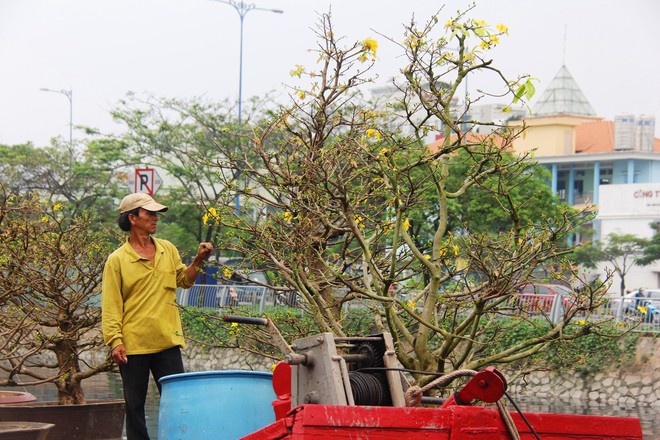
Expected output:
(214, 405)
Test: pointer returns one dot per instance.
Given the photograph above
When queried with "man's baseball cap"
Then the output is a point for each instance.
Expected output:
(140, 200)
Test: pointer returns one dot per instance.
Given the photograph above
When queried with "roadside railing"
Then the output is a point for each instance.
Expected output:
(551, 307)
(232, 295)
(644, 318)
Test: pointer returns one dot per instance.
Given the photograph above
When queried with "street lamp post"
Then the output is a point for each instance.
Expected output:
(243, 8)
(69, 95)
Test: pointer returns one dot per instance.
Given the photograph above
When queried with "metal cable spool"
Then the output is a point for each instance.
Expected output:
(368, 389)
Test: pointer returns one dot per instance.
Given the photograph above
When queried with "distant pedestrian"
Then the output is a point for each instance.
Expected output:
(638, 297)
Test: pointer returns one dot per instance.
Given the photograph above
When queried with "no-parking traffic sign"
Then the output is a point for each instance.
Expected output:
(145, 180)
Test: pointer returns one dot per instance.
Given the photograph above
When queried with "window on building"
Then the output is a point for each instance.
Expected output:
(606, 173)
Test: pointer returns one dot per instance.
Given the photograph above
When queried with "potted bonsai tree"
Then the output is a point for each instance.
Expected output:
(51, 264)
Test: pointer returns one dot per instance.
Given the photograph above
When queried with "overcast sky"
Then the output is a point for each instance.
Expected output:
(101, 49)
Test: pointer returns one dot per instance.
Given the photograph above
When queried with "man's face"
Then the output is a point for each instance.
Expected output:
(146, 221)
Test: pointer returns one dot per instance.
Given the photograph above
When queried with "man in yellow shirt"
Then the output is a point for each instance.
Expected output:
(141, 322)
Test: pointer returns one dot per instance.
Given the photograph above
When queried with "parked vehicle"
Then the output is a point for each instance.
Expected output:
(641, 303)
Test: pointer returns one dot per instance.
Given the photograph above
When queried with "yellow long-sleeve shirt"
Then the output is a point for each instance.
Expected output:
(138, 299)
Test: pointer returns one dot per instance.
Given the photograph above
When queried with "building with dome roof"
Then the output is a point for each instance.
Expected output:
(612, 167)
(563, 97)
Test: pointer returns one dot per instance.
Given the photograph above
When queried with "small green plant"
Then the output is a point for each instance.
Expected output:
(585, 355)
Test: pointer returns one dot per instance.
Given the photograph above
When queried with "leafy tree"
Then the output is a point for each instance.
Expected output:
(51, 269)
(622, 251)
(333, 186)
(482, 210)
(651, 249)
(84, 179)
(182, 137)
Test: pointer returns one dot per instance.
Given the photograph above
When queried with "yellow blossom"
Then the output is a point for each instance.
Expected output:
(406, 224)
(427, 256)
(373, 133)
(449, 23)
(288, 216)
(210, 214)
(359, 222)
(57, 206)
(227, 272)
(301, 94)
(234, 325)
(455, 249)
(502, 28)
(44, 219)
(480, 23)
(370, 45)
(411, 304)
(383, 152)
(581, 322)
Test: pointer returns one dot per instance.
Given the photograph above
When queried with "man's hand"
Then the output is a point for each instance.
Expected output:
(119, 355)
(205, 250)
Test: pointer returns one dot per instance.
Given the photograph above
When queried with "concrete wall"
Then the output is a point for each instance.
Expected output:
(635, 384)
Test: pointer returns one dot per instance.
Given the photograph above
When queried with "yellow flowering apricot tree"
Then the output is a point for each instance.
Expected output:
(335, 188)
(50, 275)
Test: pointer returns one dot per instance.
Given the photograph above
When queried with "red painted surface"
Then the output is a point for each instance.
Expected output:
(488, 385)
(282, 388)
(454, 420)
(451, 423)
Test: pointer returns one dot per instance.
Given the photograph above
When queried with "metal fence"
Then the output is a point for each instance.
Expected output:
(232, 295)
(551, 307)
(643, 317)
